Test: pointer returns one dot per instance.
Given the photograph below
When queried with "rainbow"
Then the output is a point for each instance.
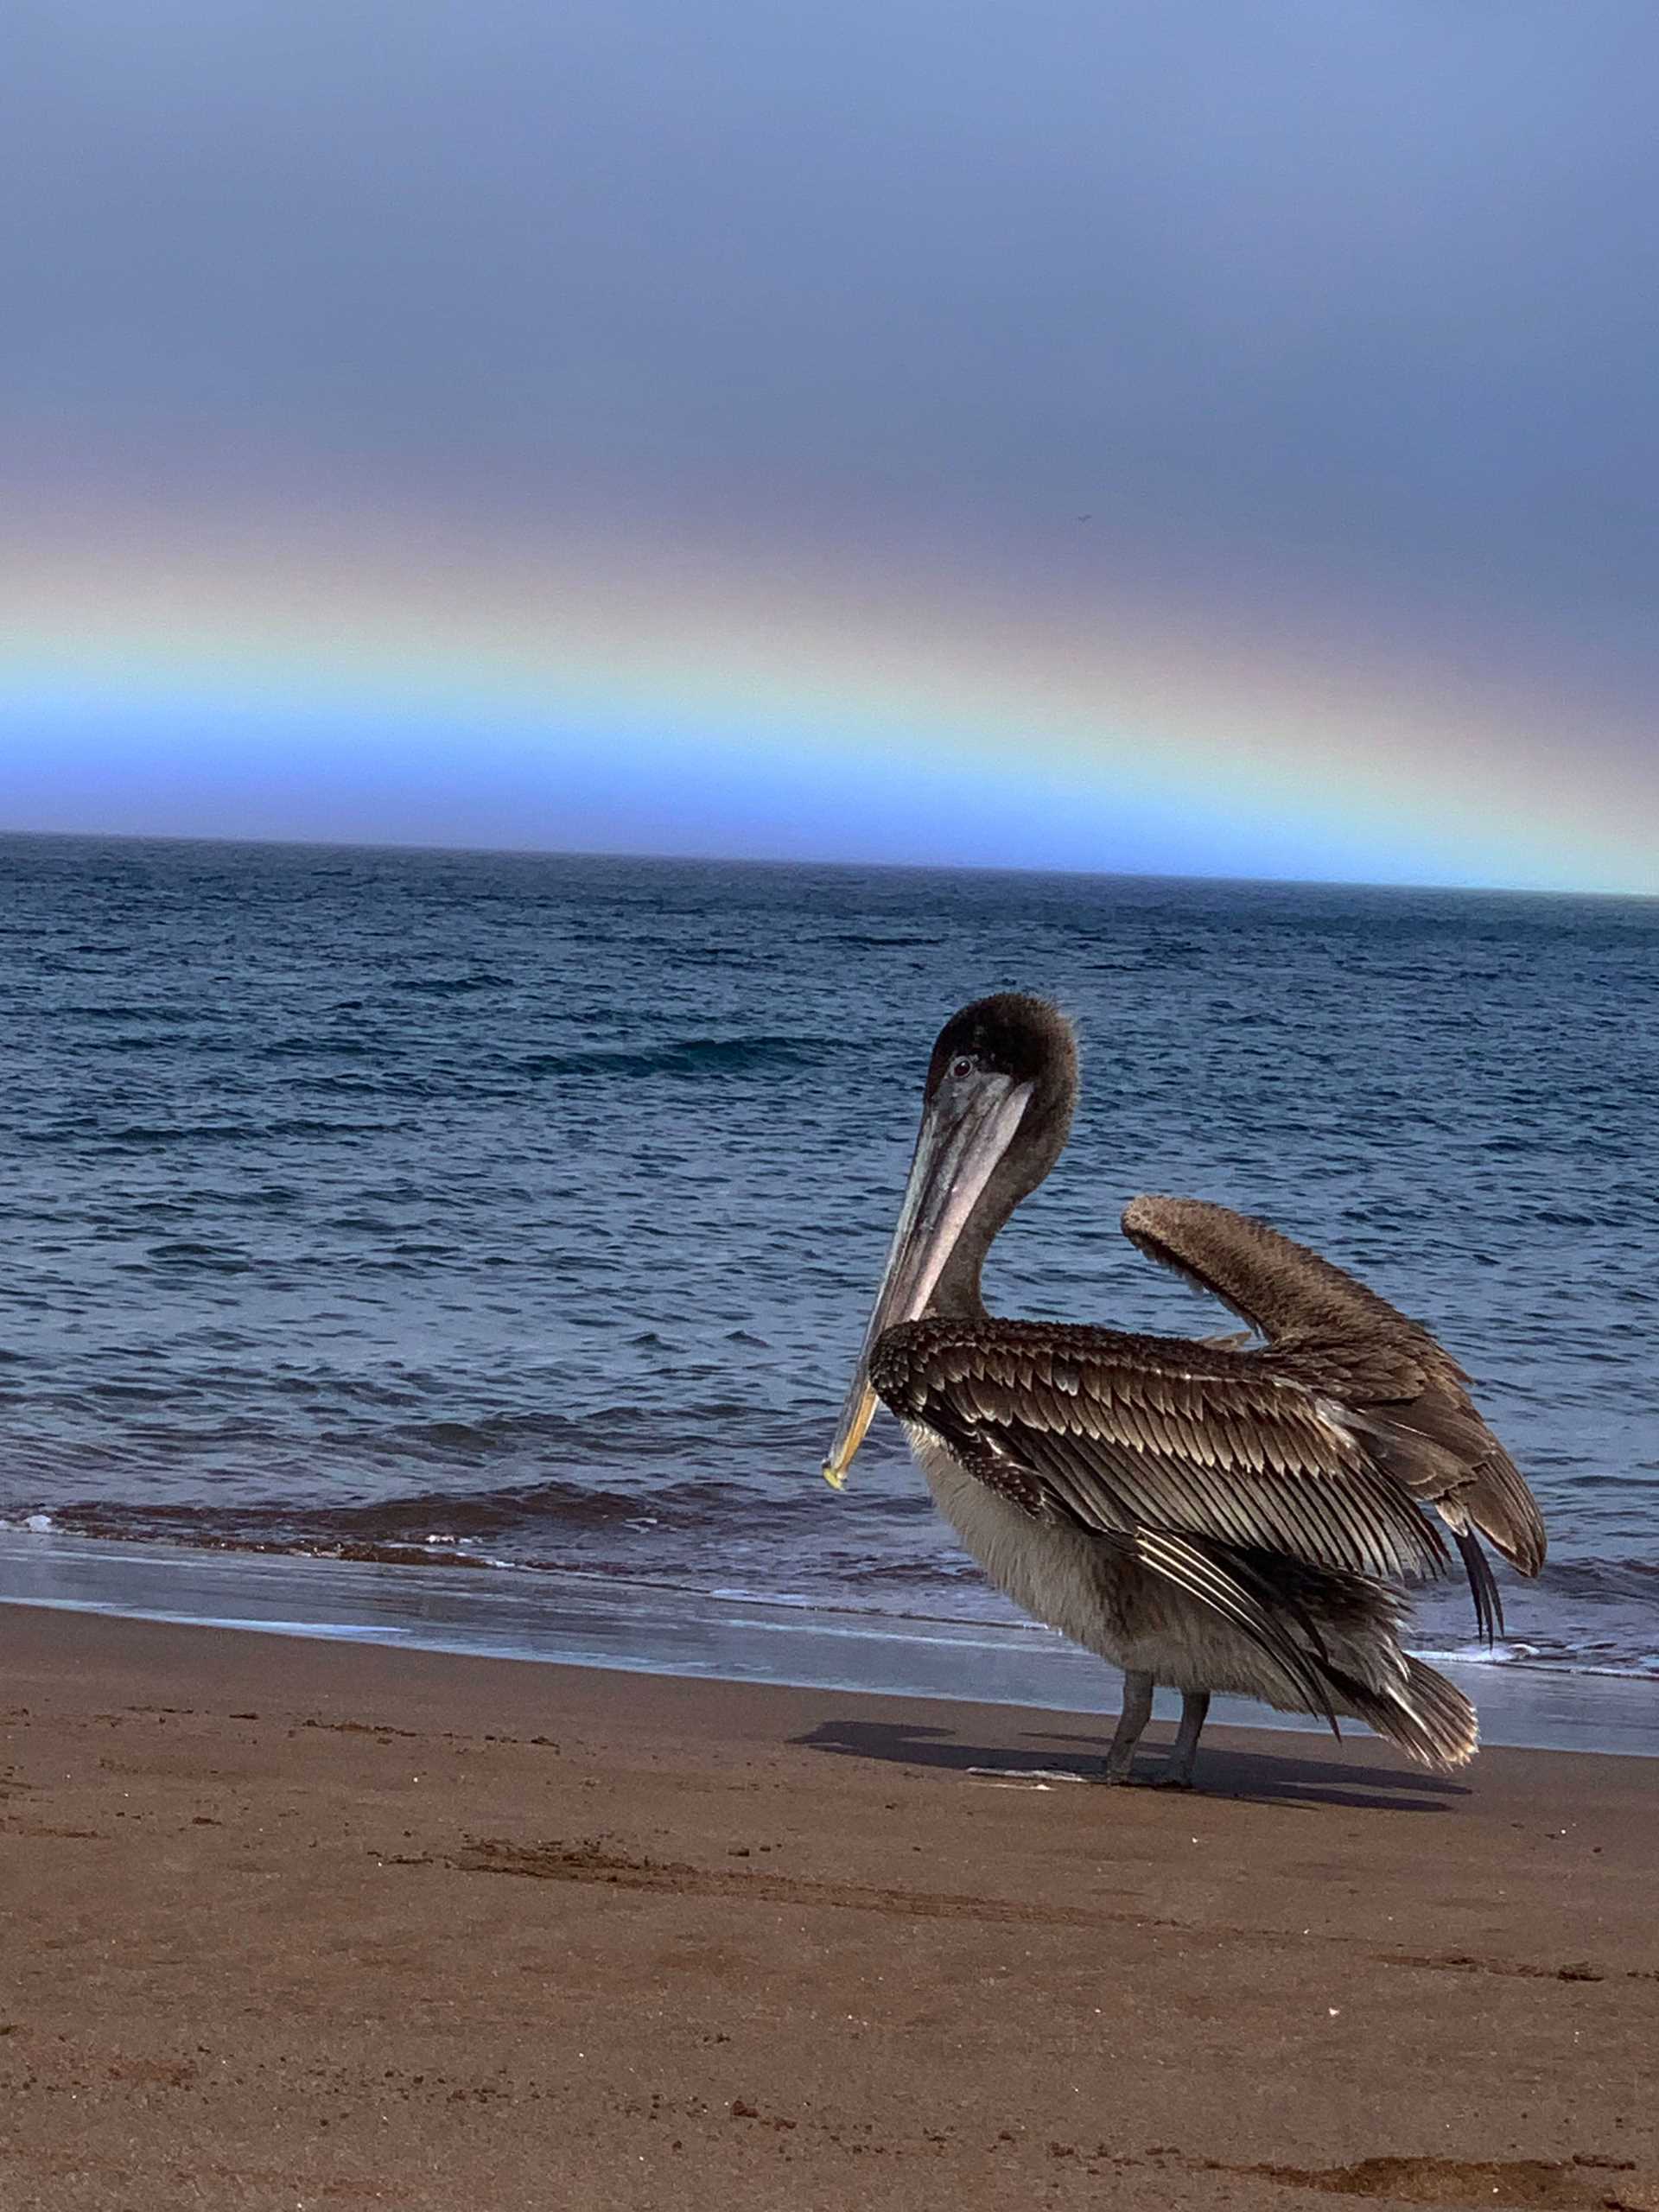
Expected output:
(642, 690)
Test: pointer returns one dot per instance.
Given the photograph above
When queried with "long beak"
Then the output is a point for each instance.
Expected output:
(967, 1128)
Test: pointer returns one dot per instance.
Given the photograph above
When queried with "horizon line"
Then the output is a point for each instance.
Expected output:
(847, 867)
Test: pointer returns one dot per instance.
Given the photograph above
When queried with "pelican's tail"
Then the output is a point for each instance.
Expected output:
(1431, 1720)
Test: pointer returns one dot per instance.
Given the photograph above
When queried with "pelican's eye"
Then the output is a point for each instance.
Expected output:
(962, 1065)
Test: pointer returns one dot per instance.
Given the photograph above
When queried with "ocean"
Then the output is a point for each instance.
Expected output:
(517, 1214)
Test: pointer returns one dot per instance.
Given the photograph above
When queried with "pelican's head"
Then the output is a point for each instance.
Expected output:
(995, 1111)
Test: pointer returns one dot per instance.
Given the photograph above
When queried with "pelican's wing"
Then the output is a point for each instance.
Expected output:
(1397, 1385)
(1125, 1433)
(1197, 1459)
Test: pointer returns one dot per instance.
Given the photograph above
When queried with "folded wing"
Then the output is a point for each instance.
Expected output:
(1124, 1432)
(1185, 1456)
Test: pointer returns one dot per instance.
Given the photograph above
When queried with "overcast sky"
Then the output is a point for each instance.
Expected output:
(1323, 305)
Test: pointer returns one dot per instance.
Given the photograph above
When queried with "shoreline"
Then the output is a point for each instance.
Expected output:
(303, 1922)
(577, 1620)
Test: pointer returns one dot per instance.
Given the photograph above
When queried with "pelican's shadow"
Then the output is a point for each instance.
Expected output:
(1261, 1777)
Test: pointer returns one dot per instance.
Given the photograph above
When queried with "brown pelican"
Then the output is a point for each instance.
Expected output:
(1215, 1516)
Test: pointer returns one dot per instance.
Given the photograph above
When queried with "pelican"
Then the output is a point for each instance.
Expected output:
(1227, 1514)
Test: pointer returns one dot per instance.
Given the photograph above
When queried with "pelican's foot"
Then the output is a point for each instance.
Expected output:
(1171, 1781)
(1114, 1777)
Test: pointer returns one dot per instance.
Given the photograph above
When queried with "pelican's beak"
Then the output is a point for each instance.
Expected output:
(967, 1124)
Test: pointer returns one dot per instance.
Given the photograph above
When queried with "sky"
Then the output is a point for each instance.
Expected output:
(1214, 438)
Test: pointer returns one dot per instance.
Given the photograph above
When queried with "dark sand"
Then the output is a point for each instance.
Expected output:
(299, 1924)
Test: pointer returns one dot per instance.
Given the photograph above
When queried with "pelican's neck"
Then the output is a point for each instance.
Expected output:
(957, 1292)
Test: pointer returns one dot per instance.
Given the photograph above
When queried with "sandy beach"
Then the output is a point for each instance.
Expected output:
(295, 1924)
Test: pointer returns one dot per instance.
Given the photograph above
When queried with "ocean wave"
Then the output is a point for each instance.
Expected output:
(548, 1506)
(687, 1057)
(85, 1135)
(451, 987)
(445, 1549)
(867, 941)
(438, 1529)
(1603, 1578)
(320, 1043)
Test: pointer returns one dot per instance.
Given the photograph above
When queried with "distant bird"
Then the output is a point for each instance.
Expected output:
(1217, 1515)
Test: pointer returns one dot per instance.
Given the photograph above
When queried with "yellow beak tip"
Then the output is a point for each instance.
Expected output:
(835, 1476)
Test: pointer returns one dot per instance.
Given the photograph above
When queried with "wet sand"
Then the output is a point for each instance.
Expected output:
(290, 1924)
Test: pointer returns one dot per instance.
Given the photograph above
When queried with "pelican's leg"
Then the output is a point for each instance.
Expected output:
(1177, 1773)
(1137, 1710)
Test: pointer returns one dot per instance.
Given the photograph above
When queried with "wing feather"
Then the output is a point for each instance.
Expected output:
(1391, 1377)
(1226, 1590)
(1258, 1461)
